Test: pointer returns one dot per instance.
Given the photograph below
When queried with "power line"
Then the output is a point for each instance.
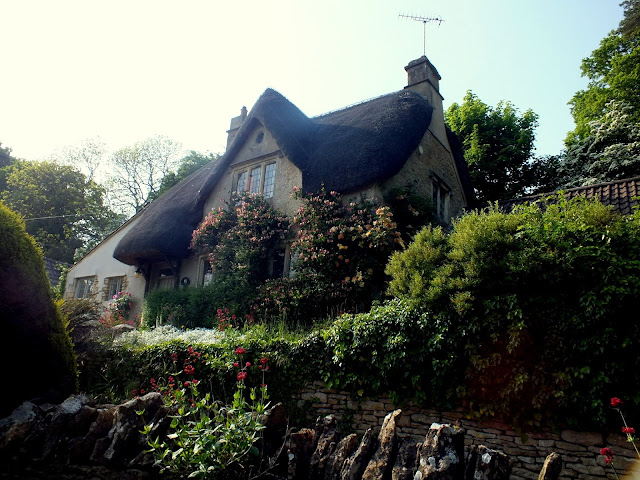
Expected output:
(53, 216)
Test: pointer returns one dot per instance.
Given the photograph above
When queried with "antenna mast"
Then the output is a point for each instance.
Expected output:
(424, 21)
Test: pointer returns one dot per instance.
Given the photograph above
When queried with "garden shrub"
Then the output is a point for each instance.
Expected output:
(35, 350)
(338, 259)
(194, 307)
(541, 303)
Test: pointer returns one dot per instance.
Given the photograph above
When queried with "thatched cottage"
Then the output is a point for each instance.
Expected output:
(396, 140)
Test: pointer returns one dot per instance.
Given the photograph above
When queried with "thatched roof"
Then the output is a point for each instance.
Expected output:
(345, 150)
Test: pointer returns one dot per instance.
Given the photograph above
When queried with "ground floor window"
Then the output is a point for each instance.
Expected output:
(83, 287)
(114, 286)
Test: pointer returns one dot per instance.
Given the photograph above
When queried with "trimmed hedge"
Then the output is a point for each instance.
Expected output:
(35, 348)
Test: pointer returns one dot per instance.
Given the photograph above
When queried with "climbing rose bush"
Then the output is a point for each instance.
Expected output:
(239, 237)
(119, 311)
(337, 258)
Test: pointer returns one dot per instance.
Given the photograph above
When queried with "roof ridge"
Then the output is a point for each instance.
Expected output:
(356, 104)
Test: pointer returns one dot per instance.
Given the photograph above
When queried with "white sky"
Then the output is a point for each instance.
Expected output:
(127, 70)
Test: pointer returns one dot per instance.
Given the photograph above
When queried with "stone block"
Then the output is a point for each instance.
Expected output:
(372, 405)
(518, 472)
(546, 443)
(582, 438)
(570, 447)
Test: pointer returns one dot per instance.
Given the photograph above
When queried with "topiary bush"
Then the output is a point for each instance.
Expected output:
(35, 348)
(540, 303)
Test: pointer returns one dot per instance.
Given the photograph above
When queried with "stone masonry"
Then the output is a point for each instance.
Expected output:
(580, 451)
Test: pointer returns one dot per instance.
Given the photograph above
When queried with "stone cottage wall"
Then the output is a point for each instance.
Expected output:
(580, 451)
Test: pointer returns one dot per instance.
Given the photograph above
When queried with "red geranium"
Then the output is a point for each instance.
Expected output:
(628, 430)
(189, 370)
(242, 375)
(240, 351)
(616, 402)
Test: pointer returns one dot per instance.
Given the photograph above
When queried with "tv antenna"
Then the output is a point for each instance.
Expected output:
(424, 21)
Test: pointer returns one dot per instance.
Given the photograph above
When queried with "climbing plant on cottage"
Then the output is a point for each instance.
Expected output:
(338, 258)
(239, 237)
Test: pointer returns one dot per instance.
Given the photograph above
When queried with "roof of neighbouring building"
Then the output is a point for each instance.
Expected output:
(622, 195)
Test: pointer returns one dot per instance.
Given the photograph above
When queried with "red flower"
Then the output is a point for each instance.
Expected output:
(608, 460)
(248, 364)
(186, 384)
(240, 351)
(259, 367)
(628, 430)
(134, 393)
(189, 370)
(242, 375)
(174, 357)
(236, 364)
(264, 360)
(607, 453)
(616, 402)
(142, 391)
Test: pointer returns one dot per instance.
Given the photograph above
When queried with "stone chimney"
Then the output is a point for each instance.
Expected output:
(236, 123)
(425, 79)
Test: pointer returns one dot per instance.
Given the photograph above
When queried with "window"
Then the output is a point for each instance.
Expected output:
(259, 178)
(114, 286)
(207, 272)
(166, 279)
(83, 287)
(440, 198)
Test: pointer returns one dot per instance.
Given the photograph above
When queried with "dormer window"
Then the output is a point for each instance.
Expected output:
(257, 178)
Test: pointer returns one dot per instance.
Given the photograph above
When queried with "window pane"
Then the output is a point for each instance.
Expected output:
(83, 287)
(269, 180)
(115, 286)
(254, 186)
(241, 184)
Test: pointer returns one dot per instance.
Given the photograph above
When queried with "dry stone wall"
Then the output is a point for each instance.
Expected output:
(580, 451)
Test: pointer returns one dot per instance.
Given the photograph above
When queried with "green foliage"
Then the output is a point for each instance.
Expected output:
(197, 307)
(338, 259)
(119, 310)
(64, 210)
(240, 237)
(610, 151)
(540, 303)
(207, 439)
(34, 337)
(612, 70)
(410, 211)
(187, 165)
(498, 146)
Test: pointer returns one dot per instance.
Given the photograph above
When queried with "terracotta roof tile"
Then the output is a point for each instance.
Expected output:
(621, 195)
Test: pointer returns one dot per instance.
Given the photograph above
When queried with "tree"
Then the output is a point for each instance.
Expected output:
(88, 157)
(5, 156)
(137, 171)
(63, 211)
(630, 24)
(611, 150)
(497, 144)
(612, 70)
(188, 164)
